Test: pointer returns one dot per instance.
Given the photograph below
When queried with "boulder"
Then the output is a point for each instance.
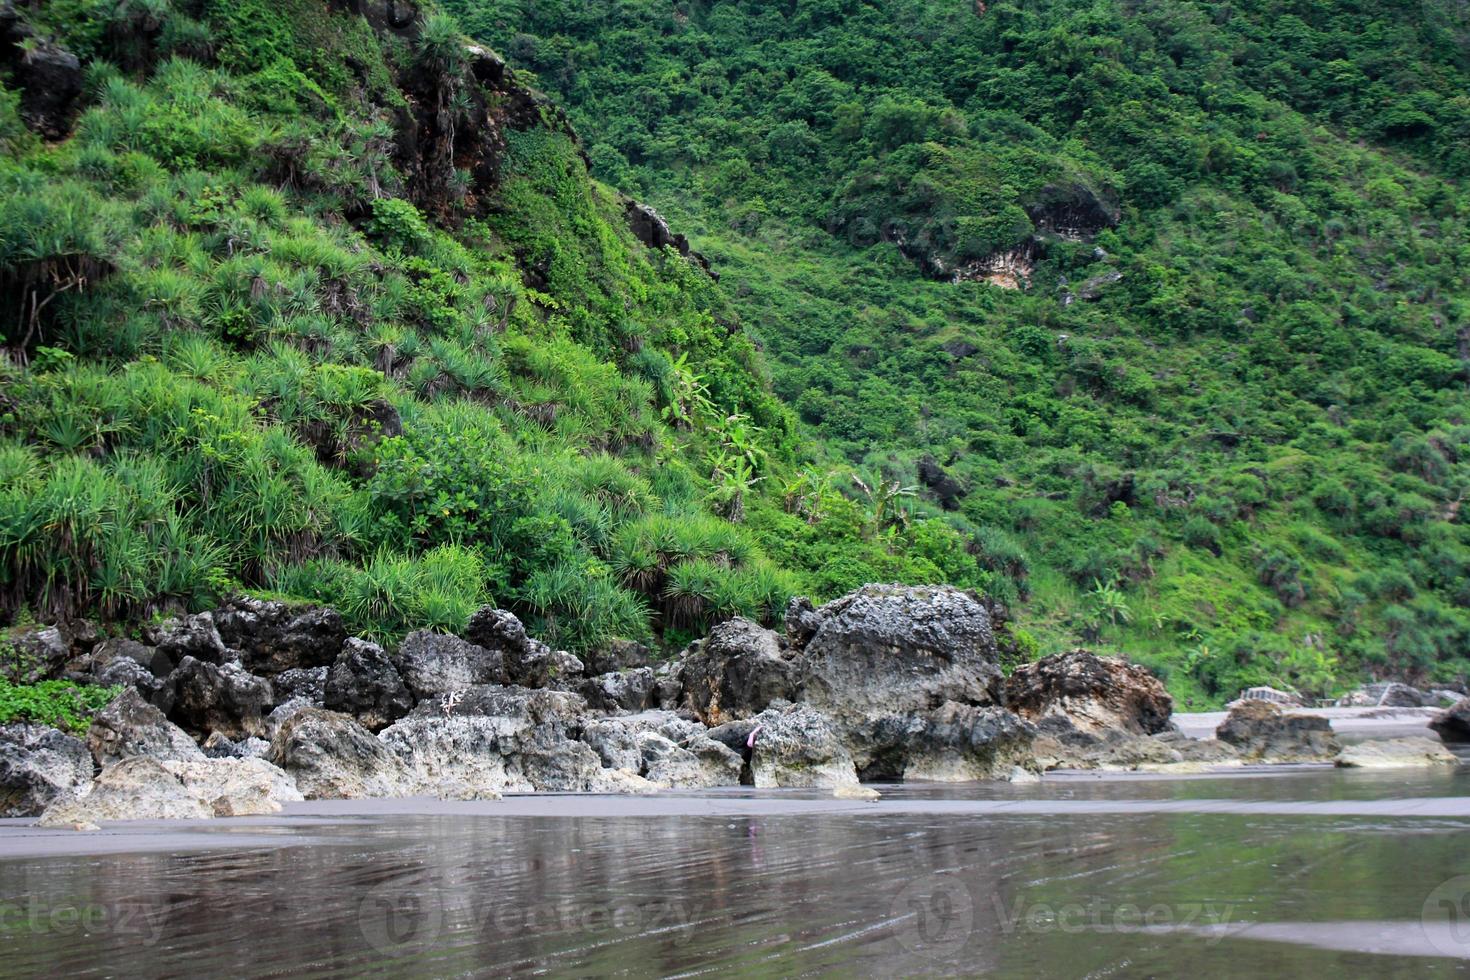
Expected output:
(236, 787)
(89, 664)
(1396, 695)
(1262, 732)
(626, 690)
(219, 747)
(736, 673)
(891, 651)
(667, 763)
(33, 654)
(615, 743)
(363, 683)
(139, 788)
(220, 698)
(616, 655)
(525, 660)
(274, 636)
(129, 726)
(1094, 693)
(301, 684)
(665, 748)
(668, 685)
(1062, 745)
(885, 664)
(51, 81)
(1453, 723)
(801, 620)
(1396, 753)
(190, 636)
(795, 745)
(127, 672)
(499, 738)
(953, 743)
(38, 766)
(433, 664)
(282, 712)
(1199, 752)
(564, 671)
(331, 756)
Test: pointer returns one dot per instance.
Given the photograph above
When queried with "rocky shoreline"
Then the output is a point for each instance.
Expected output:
(260, 703)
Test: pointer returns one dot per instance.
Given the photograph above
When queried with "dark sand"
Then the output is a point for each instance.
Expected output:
(314, 820)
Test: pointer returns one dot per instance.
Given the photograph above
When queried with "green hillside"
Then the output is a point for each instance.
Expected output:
(326, 305)
(1150, 321)
(1223, 425)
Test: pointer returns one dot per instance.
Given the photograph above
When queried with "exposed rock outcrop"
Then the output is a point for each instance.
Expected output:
(223, 698)
(331, 756)
(1072, 210)
(1396, 753)
(433, 664)
(140, 788)
(130, 727)
(736, 672)
(273, 636)
(649, 227)
(795, 745)
(364, 683)
(886, 683)
(49, 77)
(627, 690)
(1453, 723)
(38, 766)
(1093, 693)
(1262, 732)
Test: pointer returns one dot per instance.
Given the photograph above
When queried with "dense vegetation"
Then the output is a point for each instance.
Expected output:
(1223, 428)
(59, 704)
(255, 343)
(275, 321)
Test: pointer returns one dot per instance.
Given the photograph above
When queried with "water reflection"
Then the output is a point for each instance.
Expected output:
(782, 895)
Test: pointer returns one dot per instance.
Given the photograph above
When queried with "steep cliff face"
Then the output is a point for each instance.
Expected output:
(460, 100)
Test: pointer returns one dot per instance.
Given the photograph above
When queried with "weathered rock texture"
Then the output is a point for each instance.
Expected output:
(1262, 732)
(1094, 693)
(39, 766)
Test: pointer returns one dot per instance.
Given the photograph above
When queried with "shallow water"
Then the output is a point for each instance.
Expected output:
(1077, 876)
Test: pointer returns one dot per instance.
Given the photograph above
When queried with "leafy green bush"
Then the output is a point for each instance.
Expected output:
(59, 704)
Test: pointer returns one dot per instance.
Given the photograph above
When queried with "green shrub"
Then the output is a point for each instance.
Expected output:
(59, 704)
